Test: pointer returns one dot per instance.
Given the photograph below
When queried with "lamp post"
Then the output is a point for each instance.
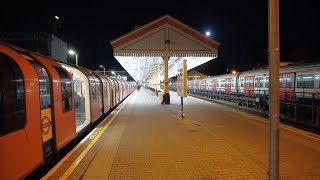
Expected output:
(104, 69)
(72, 52)
(274, 101)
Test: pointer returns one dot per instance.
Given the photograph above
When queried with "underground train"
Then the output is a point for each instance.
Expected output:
(45, 104)
(301, 81)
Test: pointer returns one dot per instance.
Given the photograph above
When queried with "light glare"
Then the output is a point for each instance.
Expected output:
(71, 52)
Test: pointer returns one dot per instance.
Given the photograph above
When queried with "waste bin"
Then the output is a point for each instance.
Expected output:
(166, 98)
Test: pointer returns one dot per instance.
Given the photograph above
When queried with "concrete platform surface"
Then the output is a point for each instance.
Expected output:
(143, 139)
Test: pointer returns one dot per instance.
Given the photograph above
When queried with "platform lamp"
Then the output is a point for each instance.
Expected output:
(104, 69)
(72, 52)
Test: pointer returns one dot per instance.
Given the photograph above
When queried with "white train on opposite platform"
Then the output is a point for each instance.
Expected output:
(296, 82)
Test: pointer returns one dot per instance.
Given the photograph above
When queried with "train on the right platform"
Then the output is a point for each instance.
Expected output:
(299, 90)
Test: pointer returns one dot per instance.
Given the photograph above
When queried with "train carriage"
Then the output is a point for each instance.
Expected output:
(55, 102)
(18, 118)
(59, 109)
(44, 105)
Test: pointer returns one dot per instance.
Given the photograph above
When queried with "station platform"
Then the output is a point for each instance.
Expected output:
(142, 139)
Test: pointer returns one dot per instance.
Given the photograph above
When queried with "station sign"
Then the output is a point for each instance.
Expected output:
(182, 78)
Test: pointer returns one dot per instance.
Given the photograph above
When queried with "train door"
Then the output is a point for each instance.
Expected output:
(204, 85)
(45, 87)
(112, 92)
(287, 86)
(81, 97)
(214, 85)
(248, 86)
(116, 91)
(120, 90)
(93, 98)
(227, 87)
(99, 93)
(189, 86)
(197, 84)
(233, 90)
(64, 128)
(106, 101)
(241, 83)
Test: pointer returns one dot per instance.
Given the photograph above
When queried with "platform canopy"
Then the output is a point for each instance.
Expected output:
(140, 51)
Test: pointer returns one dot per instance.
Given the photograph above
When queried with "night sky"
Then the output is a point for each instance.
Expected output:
(240, 26)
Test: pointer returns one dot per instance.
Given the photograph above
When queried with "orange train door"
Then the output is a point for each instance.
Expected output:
(64, 123)
(45, 107)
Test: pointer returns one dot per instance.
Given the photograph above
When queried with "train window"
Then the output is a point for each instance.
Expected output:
(214, 83)
(65, 89)
(232, 82)
(251, 82)
(305, 81)
(222, 83)
(258, 82)
(44, 82)
(266, 85)
(242, 82)
(12, 96)
(290, 78)
(282, 81)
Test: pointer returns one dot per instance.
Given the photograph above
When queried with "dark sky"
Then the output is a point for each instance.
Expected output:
(240, 26)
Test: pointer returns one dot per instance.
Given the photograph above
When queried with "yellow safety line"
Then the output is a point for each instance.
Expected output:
(78, 160)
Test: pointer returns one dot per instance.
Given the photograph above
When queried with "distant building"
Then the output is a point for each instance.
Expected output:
(49, 42)
(40, 42)
(58, 48)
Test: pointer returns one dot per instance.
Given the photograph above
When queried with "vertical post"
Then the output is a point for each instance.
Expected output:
(318, 116)
(158, 74)
(76, 59)
(274, 68)
(139, 70)
(166, 73)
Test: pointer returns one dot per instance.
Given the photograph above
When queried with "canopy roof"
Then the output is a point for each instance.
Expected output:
(142, 49)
